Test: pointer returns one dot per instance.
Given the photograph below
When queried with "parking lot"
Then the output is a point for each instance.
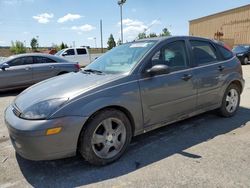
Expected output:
(204, 151)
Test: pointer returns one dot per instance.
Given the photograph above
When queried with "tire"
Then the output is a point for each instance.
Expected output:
(105, 137)
(245, 61)
(230, 101)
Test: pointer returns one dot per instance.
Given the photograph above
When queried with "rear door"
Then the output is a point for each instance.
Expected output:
(170, 96)
(18, 74)
(43, 68)
(209, 73)
(82, 56)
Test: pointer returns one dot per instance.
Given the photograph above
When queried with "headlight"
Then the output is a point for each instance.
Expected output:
(43, 109)
(240, 54)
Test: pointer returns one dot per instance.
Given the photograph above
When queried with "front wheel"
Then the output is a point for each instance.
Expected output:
(105, 137)
(231, 101)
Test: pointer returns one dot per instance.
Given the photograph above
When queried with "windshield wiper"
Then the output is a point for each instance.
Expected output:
(93, 71)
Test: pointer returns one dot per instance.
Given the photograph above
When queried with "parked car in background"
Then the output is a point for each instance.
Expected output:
(21, 71)
(80, 55)
(96, 111)
(243, 53)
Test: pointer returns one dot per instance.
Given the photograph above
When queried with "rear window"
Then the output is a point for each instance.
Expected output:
(81, 51)
(43, 60)
(226, 54)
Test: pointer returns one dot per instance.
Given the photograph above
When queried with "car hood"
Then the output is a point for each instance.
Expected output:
(66, 86)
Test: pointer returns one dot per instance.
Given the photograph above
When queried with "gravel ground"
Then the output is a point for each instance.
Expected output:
(204, 151)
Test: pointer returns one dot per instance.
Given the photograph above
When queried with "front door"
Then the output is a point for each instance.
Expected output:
(19, 74)
(168, 96)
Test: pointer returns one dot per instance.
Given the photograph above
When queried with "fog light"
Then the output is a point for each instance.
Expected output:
(53, 131)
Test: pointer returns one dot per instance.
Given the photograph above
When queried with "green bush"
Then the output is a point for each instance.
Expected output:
(17, 47)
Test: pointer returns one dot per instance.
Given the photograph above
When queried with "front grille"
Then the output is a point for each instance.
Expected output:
(16, 112)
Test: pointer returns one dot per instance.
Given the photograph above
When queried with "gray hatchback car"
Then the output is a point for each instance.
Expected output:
(20, 71)
(134, 88)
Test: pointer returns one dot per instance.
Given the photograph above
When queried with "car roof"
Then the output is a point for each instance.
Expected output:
(160, 39)
(56, 58)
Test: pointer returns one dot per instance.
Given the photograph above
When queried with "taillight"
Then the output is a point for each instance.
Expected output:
(77, 66)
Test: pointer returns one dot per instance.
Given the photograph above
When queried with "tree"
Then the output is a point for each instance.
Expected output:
(165, 32)
(111, 42)
(142, 35)
(119, 42)
(17, 47)
(34, 44)
(151, 35)
(62, 46)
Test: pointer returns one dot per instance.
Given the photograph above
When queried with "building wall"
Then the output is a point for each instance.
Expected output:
(234, 24)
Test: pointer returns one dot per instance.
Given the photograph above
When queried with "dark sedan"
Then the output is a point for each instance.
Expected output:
(20, 71)
(243, 53)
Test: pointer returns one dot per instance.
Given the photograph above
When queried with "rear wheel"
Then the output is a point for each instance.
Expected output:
(105, 137)
(245, 61)
(231, 101)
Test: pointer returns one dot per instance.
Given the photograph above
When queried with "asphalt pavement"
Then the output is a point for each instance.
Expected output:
(203, 151)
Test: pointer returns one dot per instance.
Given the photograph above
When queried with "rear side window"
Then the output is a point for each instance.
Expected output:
(81, 51)
(21, 61)
(226, 54)
(43, 60)
(204, 52)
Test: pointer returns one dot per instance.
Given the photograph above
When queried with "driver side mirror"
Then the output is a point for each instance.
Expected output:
(158, 70)
(64, 54)
(4, 66)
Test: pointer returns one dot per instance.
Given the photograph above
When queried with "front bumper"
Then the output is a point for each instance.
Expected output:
(31, 142)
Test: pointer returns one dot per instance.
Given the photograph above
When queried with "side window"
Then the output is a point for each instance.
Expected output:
(81, 51)
(173, 55)
(69, 52)
(21, 61)
(226, 54)
(43, 60)
(204, 52)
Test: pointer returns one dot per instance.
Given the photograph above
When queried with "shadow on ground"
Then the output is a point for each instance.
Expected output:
(144, 150)
(10, 93)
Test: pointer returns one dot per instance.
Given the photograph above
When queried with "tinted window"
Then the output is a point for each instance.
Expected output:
(43, 60)
(21, 61)
(173, 55)
(69, 52)
(203, 52)
(226, 54)
(81, 51)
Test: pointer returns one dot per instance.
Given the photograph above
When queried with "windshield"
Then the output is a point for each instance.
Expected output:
(59, 53)
(121, 59)
(239, 49)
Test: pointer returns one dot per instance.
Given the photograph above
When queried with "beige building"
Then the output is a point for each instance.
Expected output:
(231, 26)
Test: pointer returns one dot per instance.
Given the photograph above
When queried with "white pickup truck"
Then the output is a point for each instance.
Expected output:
(80, 55)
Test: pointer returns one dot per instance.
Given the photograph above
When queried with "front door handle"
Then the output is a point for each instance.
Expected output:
(221, 68)
(52, 67)
(27, 68)
(186, 77)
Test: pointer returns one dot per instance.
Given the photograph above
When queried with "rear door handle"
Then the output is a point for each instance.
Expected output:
(186, 77)
(221, 68)
(52, 67)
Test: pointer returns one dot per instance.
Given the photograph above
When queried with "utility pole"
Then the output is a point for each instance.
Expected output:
(120, 3)
(101, 36)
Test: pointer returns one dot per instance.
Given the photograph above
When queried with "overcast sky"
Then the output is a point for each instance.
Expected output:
(54, 21)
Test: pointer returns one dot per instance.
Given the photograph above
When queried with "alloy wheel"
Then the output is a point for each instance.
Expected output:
(109, 138)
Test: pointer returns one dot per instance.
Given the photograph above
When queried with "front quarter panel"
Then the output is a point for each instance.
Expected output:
(123, 94)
